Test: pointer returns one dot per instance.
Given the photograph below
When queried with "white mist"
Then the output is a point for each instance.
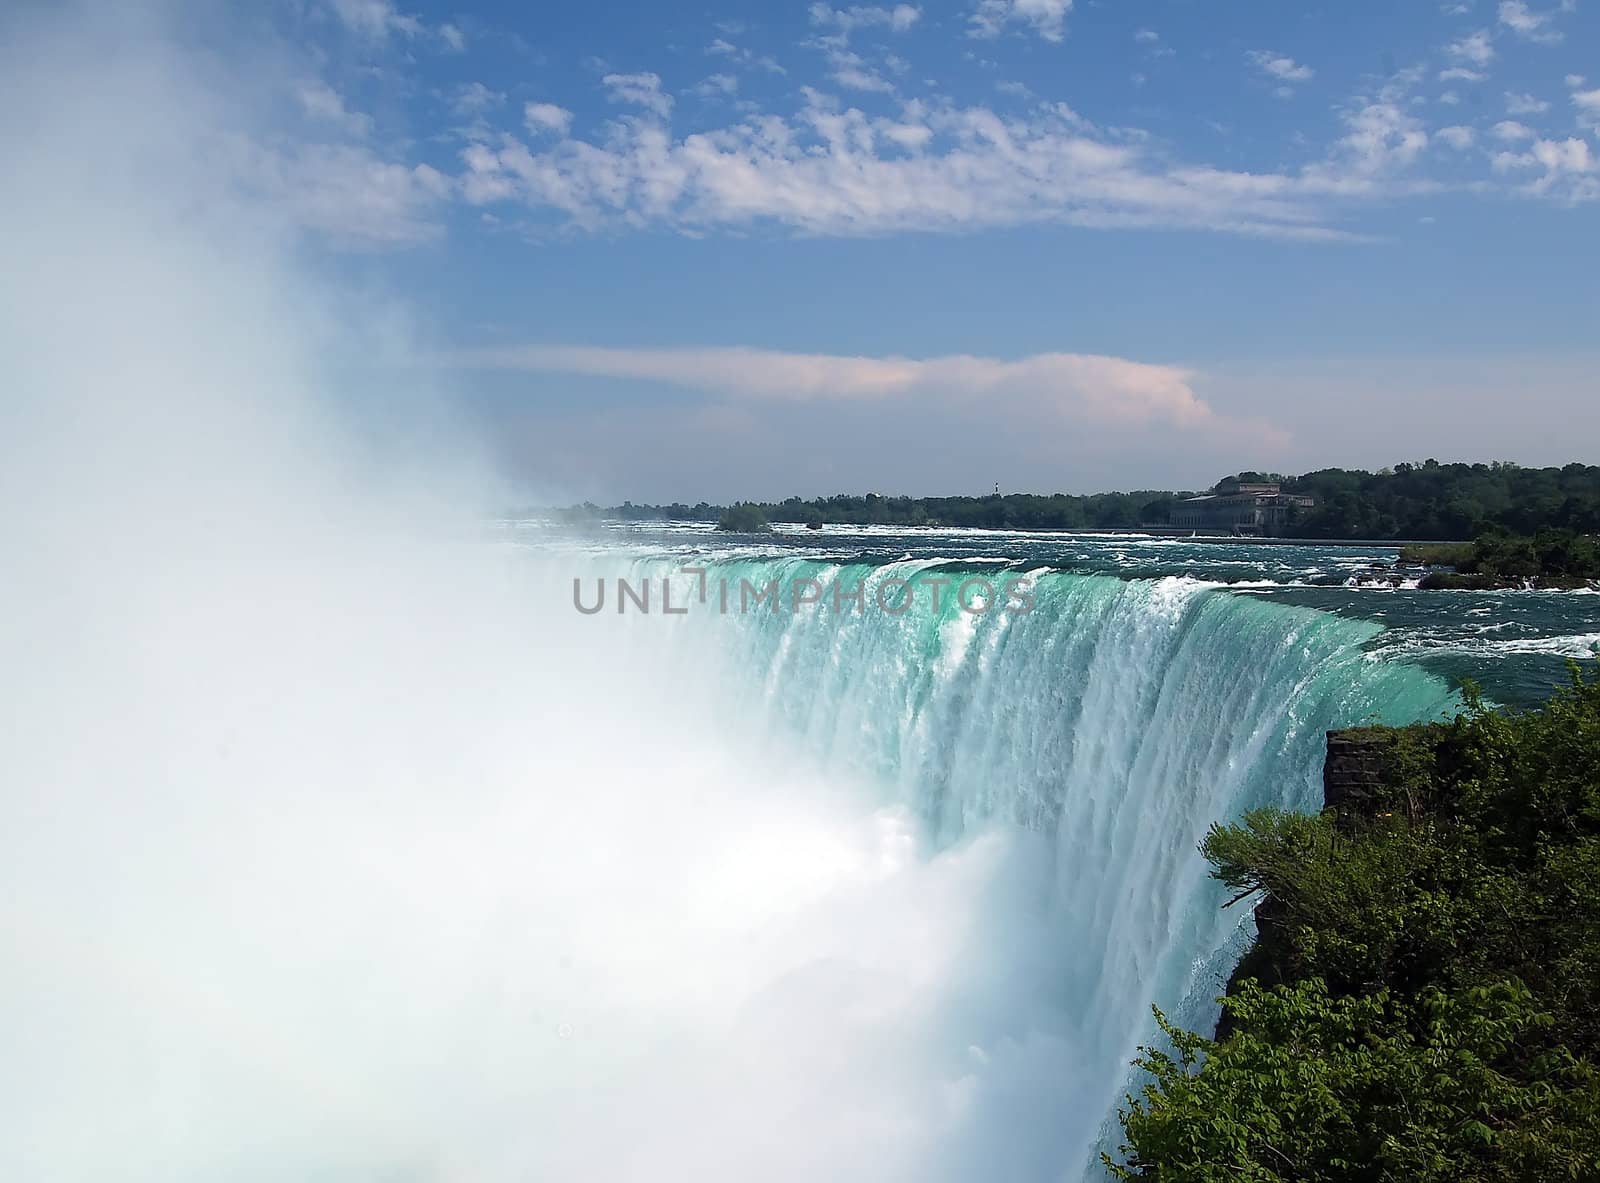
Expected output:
(332, 847)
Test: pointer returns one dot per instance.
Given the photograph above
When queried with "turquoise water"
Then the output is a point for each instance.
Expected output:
(1152, 688)
(1514, 644)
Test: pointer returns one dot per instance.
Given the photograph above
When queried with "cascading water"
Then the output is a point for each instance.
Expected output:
(1107, 728)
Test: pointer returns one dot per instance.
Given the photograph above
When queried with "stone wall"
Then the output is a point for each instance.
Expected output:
(1358, 764)
(1355, 767)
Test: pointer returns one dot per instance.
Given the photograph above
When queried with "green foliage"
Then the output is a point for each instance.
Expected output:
(744, 518)
(1437, 554)
(1434, 960)
(1449, 501)
(1435, 1089)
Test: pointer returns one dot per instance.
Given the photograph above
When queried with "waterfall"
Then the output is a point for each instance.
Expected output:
(1110, 725)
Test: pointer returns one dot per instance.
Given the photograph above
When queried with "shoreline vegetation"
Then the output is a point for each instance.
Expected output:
(1561, 559)
(1410, 502)
(1422, 1002)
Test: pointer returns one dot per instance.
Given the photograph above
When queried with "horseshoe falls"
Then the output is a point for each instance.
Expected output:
(374, 859)
(1086, 745)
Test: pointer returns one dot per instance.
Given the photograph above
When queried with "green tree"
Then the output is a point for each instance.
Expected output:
(1423, 999)
(744, 518)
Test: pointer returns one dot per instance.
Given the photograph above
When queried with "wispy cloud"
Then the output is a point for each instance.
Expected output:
(1046, 17)
(1524, 104)
(1476, 48)
(546, 117)
(1528, 24)
(897, 19)
(641, 90)
(1510, 129)
(474, 98)
(322, 103)
(881, 161)
(1076, 386)
(1566, 169)
(744, 57)
(1280, 66)
(718, 85)
(839, 171)
(1588, 104)
(377, 21)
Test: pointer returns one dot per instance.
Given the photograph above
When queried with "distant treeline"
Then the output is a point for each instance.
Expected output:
(1448, 501)
(1425, 500)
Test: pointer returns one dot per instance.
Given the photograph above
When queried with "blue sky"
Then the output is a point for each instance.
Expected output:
(663, 251)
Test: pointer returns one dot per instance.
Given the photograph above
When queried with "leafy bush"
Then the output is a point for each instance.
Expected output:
(1432, 1007)
(1312, 1088)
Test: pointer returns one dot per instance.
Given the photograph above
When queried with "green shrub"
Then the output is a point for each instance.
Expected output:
(1433, 1010)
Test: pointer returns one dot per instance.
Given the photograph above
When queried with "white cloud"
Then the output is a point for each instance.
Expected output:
(1574, 81)
(1382, 138)
(1510, 129)
(1277, 65)
(546, 117)
(324, 104)
(1047, 17)
(1588, 104)
(642, 90)
(1151, 41)
(718, 84)
(474, 98)
(1527, 24)
(1450, 98)
(852, 73)
(743, 56)
(1474, 48)
(828, 170)
(897, 19)
(1461, 74)
(1075, 386)
(1570, 155)
(1524, 104)
(375, 21)
(1569, 169)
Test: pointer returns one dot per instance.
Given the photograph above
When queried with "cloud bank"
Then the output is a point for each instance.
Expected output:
(1085, 387)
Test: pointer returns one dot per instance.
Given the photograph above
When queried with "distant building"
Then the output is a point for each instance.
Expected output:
(1241, 507)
